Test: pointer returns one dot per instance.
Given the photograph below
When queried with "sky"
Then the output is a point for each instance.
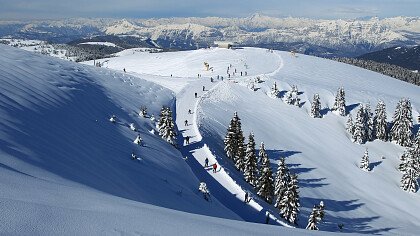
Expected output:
(320, 9)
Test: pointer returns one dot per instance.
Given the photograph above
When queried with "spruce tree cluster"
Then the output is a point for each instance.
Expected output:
(363, 129)
(281, 182)
(402, 123)
(234, 142)
(410, 166)
(265, 187)
(166, 125)
(289, 204)
(380, 123)
(340, 102)
(292, 97)
(316, 216)
(316, 107)
(250, 165)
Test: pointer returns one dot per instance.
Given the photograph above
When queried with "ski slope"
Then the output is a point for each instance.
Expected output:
(319, 150)
(64, 164)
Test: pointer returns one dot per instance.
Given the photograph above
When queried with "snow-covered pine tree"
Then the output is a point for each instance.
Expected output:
(410, 173)
(415, 149)
(402, 123)
(265, 187)
(143, 111)
(166, 125)
(250, 168)
(240, 146)
(274, 90)
(320, 211)
(340, 102)
(364, 163)
(379, 121)
(316, 107)
(359, 135)
(295, 95)
(313, 221)
(230, 142)
(261, 155)
(369, 125)
(289, 205)
(350, 126)
(281, 181)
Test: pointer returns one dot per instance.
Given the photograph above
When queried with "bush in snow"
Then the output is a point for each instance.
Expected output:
(402, 123)
(133, 127)
(364, 163)
(204, 190)
(143, 111)
(379, 121)
(138, 140)
(250, 165)
(113, 119)
(316, 107)
(340, 102)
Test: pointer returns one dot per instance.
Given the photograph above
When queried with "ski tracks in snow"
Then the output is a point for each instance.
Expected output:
(221, 185)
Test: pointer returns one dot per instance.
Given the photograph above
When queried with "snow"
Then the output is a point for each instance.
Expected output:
(108, 44)
(57, 144)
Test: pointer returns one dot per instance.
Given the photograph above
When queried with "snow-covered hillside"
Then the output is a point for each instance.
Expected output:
(319, 150)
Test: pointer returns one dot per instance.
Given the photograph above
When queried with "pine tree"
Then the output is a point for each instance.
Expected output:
(240, 145)
(313, 221)
(282, 179)
(320, 211)
(411, 173)
(166, 125)
(316, 107)
(350, 126)
(340, 102)
(250, 168)
(230, 142)
(265, 187)
(274, 90)
(289, 205)
(359, 135)
(369, 125)
(402, 123)
(364, 164)
(380, 124)
(292, 96)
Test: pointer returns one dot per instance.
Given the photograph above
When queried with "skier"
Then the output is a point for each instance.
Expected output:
(195, 94)
(204, 88)
(267, 217)
(186, 122)
(241, 73)
(246, 200)
(187, 140)
(214, 167)
(206, 162)
(189, 111)
(211, 79)
(124, 69)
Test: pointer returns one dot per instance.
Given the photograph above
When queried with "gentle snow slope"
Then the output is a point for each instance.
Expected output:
(320, 150)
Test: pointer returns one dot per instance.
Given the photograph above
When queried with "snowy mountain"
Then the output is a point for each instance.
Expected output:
(317, 37)
(407, 57)
(66, 169)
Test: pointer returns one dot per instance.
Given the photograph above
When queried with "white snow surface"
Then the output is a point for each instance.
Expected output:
(65, 169)
(108, 44)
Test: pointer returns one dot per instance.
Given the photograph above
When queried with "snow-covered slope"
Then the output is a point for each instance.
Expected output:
(62, 163)
(319, 150)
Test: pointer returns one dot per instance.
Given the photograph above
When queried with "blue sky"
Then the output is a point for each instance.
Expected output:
(325, 9)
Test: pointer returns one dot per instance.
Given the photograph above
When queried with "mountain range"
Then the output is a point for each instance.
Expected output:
(326, 38)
